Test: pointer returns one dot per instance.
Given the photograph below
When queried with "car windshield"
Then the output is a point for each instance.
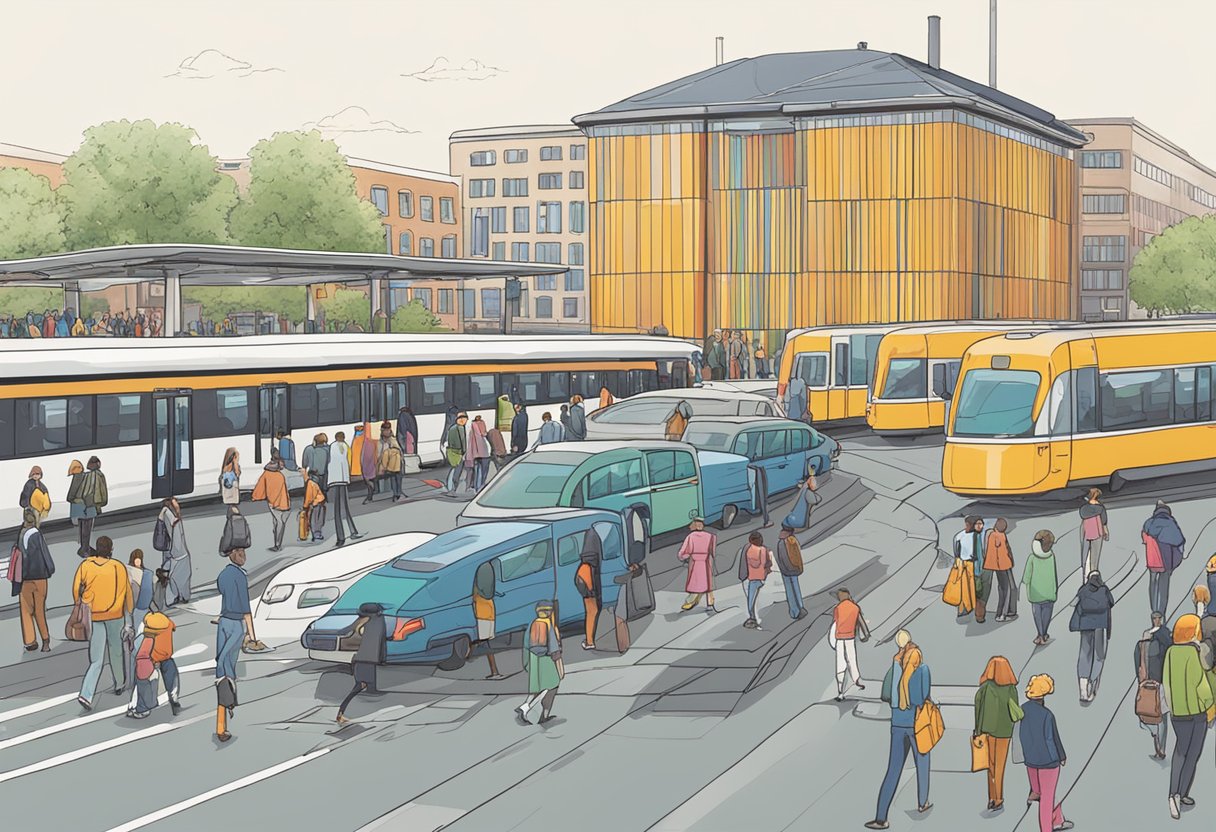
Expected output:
(650, 411)
(526, 484)
(375, 589)
(707, 438)
(996, 403)
(906, 379)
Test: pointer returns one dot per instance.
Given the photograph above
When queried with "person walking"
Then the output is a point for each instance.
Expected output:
(363, 459)
(759, 564)
(498, 449)
(1042, 584)
(407, 431)
(906, 687)
(996, 713)
(456, 446)
(337, 483)
(761, 358)
(968, 548)
(578, 420)
(677, 421)
(587, 582)
(550, 431)
(519, 430)
(796, 400)
(542, 656)
(389, 459)
(697, 551)
(805, 500)
(287, 450)
(1149, 658)
(1091, 617)
(1043, 753)
(315, 464)
(370, 653)
(233, 628)
(484, 613)
(1093, 530)
(478, 457)
(312, 512)
(998, 563)
(789, 564)
(88, 495)
(1163, 553)
(153, 652)
(230, 478)
(176, 559)
(715, 356)
(271, 488)
(34, 495)
(236, 534)
(1188, 690)
(848, 624)
(101, 583)
(564, 419)
(606, 398)
(37, 567)
(143, 581)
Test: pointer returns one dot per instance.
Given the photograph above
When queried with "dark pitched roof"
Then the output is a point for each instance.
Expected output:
(837, 81)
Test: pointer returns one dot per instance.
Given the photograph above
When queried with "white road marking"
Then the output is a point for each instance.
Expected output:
(189, 803)
(70, 756)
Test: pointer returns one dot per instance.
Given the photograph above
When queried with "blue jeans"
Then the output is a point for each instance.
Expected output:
(1041, 610)
(229, 636)
(105, 647)
(454, 477)
(753, 590)
(903, 740)
(793, 594)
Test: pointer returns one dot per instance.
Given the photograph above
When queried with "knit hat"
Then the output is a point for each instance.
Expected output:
(1039, 686)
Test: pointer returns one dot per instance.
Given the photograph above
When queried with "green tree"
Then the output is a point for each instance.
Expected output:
(302, 196)
(139, 182)
(414, 317)
(346, 306)
(18, 300)
(1176, 272)
(218, 302)
(31, 223)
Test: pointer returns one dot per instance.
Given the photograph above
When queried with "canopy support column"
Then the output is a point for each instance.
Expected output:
(173, 303)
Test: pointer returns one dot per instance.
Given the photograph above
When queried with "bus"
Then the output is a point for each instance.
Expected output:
(159, 413)
(1037, 412)
(837, 363)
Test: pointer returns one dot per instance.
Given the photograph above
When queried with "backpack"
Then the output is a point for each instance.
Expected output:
(162, 541)
(14, 568)
(793, 552)
(144, 666)
(743, 563)
(40, 501)
(1148, 692)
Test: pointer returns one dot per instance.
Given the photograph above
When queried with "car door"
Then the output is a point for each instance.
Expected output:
(525, 578)
(798, 443)
(775, 455)
(570, 543)
(674, 488)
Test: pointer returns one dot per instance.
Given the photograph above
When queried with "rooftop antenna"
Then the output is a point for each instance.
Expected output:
(719, 52)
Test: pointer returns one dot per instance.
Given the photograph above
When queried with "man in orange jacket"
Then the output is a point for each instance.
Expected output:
(272, 488)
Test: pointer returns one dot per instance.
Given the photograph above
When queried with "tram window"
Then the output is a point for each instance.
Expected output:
(664, 375)
(221, 412)
(907, 378)
(119, 420)
(860, 360)
(1137, 399)
(531, 387)
(559, 387)
(1184, 394)
(1203, 397)
(351, 395)
(1060, 405)
(481, 391)
(1087, 395)
(430, 394)
(642, 381)
(812, 368)
(304, 405)
(842, 365)
(6, 428)
(329, 404)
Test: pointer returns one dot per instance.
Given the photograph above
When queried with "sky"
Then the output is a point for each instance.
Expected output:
(391, 81)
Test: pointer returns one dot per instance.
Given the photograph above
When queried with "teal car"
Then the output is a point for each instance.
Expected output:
(656, 485)
(784, 450)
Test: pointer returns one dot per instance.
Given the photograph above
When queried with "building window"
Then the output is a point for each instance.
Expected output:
(480, 236)
(482, 158)
(447, 209)
(423, 296)
(549, 181)
(578, 217)
(1112, 249)
(521, 220)
(515, 187)
(405, 244)
(1151, 171)
(574, 280)
(544, 307)
(498, 220)
(576, 179)
(570, 307)
(548, 218)
(426, 247)
(546, 282)
(515, 157)
(574, 255)
(468, 303)
(380, 199)
(548, 252)
(447, 246)
(491, 303)
(1101, 158)
(551, 153)
(499, 251)
(479, 188)
(405, 204)
(578, 152)
(1101, 279)
(519, 252)
(445, 301)
(1104, 203)
(388, 239)
(427, 204)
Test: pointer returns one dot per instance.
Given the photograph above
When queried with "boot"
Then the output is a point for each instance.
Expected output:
(1084, 684)
(981, 611)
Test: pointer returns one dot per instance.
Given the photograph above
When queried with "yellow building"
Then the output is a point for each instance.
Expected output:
(816, 188)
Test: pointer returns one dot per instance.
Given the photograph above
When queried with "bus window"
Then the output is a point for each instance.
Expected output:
(1087, 397)
(531, 386)
(664, 372)
(481, 391)
(430, 394)
(679, 374)
(303, 405)
(351, 394)
(119, 420)
(329, 404)
(6, 428)
(225, 412)
(559, 387)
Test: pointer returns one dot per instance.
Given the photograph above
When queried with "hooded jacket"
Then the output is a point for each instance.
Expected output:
(1039, 576)
(1094, 603)
(1163, 528)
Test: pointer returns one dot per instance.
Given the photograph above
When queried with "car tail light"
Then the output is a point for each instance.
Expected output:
(405, 626)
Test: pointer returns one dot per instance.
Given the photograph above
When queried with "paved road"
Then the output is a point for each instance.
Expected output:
(700, 725)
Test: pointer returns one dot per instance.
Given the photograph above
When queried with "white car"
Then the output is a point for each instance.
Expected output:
(644, 416)
(304, 591)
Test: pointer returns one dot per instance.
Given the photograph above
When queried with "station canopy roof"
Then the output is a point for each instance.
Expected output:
(239, 266)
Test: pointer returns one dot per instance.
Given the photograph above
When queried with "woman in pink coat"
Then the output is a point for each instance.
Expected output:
(698, 551)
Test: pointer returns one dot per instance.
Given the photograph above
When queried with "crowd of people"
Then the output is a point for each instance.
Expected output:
(729, 356)
(53, 323)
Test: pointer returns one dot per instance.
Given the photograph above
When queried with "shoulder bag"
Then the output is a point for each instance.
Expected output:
(80, 620)
(162, 541)
(1148, 692)
(979, 752)
(928, 727)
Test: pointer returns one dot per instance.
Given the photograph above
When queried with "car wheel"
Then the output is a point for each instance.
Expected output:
(460, 654)
(728, 517)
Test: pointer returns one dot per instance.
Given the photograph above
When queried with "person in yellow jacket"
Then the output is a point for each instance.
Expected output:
(505, 413)
(101, 582)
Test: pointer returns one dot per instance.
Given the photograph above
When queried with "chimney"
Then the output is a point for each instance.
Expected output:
(862, 45)
(935, 41)
(719, 51)
(992, 43)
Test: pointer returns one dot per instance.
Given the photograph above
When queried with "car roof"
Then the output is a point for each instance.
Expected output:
(677, 393)
(747, 421)
(457, 544)
(355, 557)
(591, 447)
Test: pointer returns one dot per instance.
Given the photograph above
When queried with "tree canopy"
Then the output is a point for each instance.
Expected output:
(140, 182)
(414, 317)
(31, 223)
(218, 302)
(302, 196)
(1176, 272)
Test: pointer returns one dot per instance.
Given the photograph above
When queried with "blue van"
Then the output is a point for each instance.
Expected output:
(427, 593)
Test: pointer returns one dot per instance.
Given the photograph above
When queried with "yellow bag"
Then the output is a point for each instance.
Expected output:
(40, 501)
(305, 531)
(952, 593)
(928, 726)
(979, 752)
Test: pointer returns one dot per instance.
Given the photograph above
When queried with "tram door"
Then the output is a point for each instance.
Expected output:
(272, 416)
(372, 404)
(172, 443)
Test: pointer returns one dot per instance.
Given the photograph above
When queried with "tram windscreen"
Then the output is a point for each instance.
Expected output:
(996, 403)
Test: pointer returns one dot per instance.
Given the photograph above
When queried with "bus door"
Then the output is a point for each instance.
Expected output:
(371, 403)
(172, 443)
(272, 416)
(838, 380)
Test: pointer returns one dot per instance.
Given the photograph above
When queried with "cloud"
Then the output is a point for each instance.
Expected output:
(355, 120)
(441, 69)
(212, 63)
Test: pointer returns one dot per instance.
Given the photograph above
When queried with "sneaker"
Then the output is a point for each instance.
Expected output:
(750, 624)
(1013, 616)
(859, 686)
(546, 718)
(521, 716)
(494, 677)
(1186, 800)
(840, 697)
(878, 824)
(138, 715)
(587, 646)
(175, 706)
(1000, 618)
(356, 537)
(224, 737)
(1175, 812)
(1065, 825)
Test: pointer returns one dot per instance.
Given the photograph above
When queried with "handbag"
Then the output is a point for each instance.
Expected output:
(952, 593)
(304, 531)
(979, 752)
(928, 726)
(79, 626)
(14, 565)
(161, 539)
(1148, 692)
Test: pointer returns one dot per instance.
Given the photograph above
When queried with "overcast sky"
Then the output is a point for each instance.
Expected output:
(392, 80)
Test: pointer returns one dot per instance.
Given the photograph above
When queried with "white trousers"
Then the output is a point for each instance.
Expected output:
(846, 661)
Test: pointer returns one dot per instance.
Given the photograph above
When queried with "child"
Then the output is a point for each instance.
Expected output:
(369, 654)
(153, 653)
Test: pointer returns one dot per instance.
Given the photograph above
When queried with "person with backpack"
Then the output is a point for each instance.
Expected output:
(154, 654)
(369, 655)
(30, 568)
(789, 564)
(101, 585)
(542, 657)
(287, 450)
(34, 494)
(848, 624)
(1042, 583)
(1152, 709)
(697, 551)
(996, 713)
(1043, 753)
(456, 444)
(230, 478)
(233, 628)
(169, 538)
(312, 512)
(1163, 553)
(1188, 691)
(236, 533)
(389, 459)
(1091, 617)
(906, 688)
(88, 495)
(758, 562)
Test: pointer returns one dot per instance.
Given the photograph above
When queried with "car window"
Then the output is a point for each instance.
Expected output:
(713, 407)
(527, 484)
(569, 548)
(645, 412)
(748, 444)
(816, 438)
(661, 466)
(526, 560)
(710, 440)
(799, 440)
(773, 443)
(615, 478)
(685, 466)
(610, 539)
